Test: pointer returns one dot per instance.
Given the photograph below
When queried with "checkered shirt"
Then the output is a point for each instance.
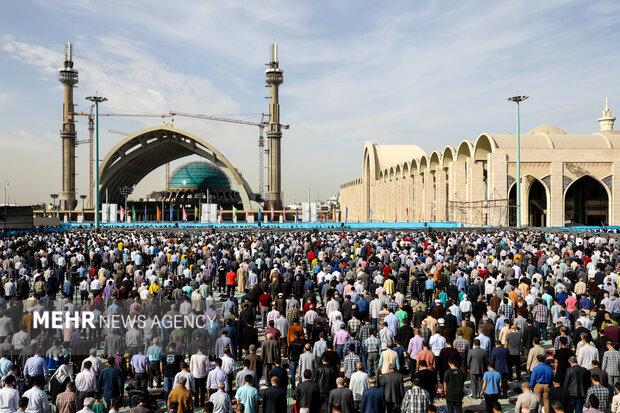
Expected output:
(65, 402)
(507, 309)
(350, 364)
(364, 332)
(601, 393)
(355, 342)
(416, 400)
(354, 325)
(372, 344)
(292, 314)
(611, 362)
(461, 345)
(540, 313)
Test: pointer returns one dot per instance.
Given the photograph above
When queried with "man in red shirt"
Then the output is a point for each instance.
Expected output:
(231, 281)
(264, 300)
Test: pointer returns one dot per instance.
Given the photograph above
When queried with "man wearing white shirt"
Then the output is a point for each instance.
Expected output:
(587, 353)
(358, 383)
(85, 383)
(9, 396)
(198, 366)
(37, 398)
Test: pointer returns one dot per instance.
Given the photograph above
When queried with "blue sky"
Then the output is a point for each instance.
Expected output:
(425, 73)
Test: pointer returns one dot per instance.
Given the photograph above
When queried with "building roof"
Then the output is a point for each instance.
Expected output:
(392, 155)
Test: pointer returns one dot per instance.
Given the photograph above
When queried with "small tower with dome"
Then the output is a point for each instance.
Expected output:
(606, 122)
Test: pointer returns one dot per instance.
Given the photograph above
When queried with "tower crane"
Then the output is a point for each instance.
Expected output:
(261, 140)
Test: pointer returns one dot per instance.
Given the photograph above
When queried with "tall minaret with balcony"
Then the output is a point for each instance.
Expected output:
(68, 77)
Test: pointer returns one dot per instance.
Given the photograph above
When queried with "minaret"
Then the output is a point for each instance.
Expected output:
(274, 78)
(606, 122)
(68, 77)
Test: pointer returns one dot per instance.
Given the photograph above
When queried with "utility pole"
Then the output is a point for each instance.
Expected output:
(518, 100)
(6, 185)
(54, 196)
(96, 100)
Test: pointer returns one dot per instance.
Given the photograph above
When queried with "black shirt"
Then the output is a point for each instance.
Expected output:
(172, 364)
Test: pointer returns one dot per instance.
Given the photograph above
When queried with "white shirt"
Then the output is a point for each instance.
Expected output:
(586, 354)
(357, 384)
(9, 397)
(198, 365)
(86, 381)
(437, 343)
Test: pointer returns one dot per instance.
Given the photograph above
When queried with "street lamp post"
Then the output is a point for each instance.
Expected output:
(96, 100)
(6, 185)
(83, 197)
(518, 100)
(54, 196)
(125, 191)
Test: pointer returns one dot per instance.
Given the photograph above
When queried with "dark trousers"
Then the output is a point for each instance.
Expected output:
(576, 404)
(81, 395)
(542, 330)
(454, 406)
(489, 399)
(155, 372)
(142, 381)
(505, 377)
(201, 388)
(515, 362)
(476, 384)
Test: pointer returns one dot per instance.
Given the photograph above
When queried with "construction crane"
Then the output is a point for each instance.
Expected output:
(261, 140)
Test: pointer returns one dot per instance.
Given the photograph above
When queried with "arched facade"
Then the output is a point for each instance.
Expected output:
(471, 182)
(132, 159)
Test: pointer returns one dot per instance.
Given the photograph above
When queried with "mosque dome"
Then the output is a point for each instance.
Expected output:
(547, 129)
(198, 174)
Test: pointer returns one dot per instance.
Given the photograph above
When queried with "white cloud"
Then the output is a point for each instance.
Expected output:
(428, 73)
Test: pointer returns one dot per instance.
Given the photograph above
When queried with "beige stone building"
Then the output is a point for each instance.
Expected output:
(566, 179)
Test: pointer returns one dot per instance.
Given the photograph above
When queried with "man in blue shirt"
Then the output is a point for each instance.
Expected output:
(491, 387)
(499, 358)
(540, 380)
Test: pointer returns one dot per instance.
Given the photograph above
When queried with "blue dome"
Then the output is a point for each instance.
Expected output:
(199, 175)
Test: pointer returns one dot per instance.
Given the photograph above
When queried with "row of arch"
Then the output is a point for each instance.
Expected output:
(461, 184)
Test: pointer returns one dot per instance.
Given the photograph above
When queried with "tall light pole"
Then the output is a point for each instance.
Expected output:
(518, 100)
(83, 197)
(125, 191)
(96, 100)
(6, 185)
(54, 196)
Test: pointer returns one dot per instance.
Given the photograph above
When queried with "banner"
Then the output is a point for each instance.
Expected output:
(171, 213)
(105, 212)
(234, 212)
(113, 213)
(122, 214)
(208, 214)
(133, 213)
(158, 214)
(346, 215)
(184, 214)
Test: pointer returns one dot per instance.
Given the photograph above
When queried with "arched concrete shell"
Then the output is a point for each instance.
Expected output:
(132, 159)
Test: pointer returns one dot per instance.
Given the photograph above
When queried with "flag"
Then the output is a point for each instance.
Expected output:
(158, 214)
(346, 214)
(260, 215)
(271, 214)
(122, 214)
(221, 213)
(196, 213)
(145, 214)
(184, 214)
(133, 213)
(234, 213)
(296, 215)
(171, 212)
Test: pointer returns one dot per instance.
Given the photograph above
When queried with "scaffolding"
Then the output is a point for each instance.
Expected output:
(494, 212)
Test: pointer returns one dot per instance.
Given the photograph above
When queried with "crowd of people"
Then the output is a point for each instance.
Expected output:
(310, 321)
